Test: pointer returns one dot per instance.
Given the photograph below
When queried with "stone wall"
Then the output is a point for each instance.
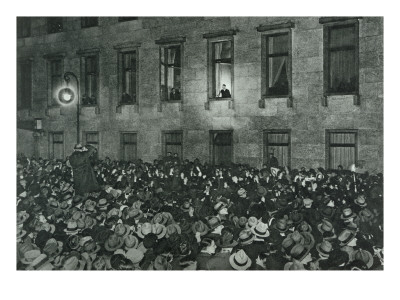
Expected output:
(308, 118)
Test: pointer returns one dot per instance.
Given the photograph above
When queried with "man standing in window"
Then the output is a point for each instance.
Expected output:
(174, 94)
(225, 93)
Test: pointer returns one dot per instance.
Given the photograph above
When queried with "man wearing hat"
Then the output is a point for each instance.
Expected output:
(84, 177)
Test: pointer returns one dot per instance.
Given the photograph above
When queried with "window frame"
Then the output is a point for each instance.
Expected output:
(327, 27)
(85, 133)
(213, 38)
(84, 55)
(328, 144)
(48, 23)
(267, 145)
(51, 143)
(122, 143)
(164, 143)
(164, 53)
(84, 21)
(127, 19)
(265, 62)
(52, 97)
(211, 145)
(122, 51)
(24, 24)
(20, 84)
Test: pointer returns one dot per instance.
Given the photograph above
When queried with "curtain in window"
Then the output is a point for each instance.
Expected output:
(281, 152)
(223, 66)
(340, 154)
(222, 148)
(173, 143)
(57, 145)
(278, 65)
(171, 64)
(129, 148)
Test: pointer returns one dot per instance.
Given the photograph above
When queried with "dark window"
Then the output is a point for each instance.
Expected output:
(25, 85)
(173, 143)
(23, 27)
(341, 148)
(221, 68)
(128, 146)
(124, 19)
(56, 145)
(277, 64)
(221, 147)
(89, 22)
(90, 74)
(129, 77)
(56, 79)
(171, 69)
(277, 144)
(54, 24)
(341, 59)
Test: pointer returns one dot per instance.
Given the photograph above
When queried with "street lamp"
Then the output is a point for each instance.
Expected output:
(67, 95)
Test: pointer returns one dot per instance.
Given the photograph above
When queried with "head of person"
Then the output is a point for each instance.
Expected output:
(169, 153)
(224, 87)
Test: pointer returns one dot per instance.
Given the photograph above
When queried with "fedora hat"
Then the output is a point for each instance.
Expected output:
(226, 240)
(41, 263)
(281, 225)
(299, 252)
(364, 256)
(159, 218)
(114, 212)
(281, 203)
(219, 206)
(307, 202)
(73, 262)
(72, 228)
(160, 264)
(199, 226)
(122, 230)
(48, 227)
(77, 215)
(144, 230)
(251, 222)
(260, 230)
(73, 242)
(366, 215)
(297, 237)
(324, 248)
(293, 266)
(134, 213)
(90, 206)
(64, 205)
(90, 222)
(296, 217)
(131, 241)
(325, 226)
(304, 227)
(186, 227)
(327, 212)
(261, 191)
(240, 260)
(360, 201)
(185, 206)
(22, 216)
(113, 242)
(173, 229)
(213, 222)
(134, 255)
(347, 213)
(159, 230)
(346, 236)
(309, 240)
(90, 246)
(30, 256)
(287, 244)
(103, 204)
(246, 237)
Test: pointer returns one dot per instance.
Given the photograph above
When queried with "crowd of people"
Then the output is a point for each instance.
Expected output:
(183, 215)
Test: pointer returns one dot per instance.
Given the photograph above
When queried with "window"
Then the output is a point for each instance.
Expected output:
(171, 69)
(24, 84)
(92, 138)
(221, 147)
(341, 148)
(277, 143)
(125, 19)
(54, 24)
(222, 69)
(55, 68)
(56, 145)
(128, 146)
(277, 64)
(23, 27)
(341, 58)
(89, 79)
(87, 22)
(173, 143)
(129, 80)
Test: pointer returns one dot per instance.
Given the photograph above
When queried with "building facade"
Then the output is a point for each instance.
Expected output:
(307, 89)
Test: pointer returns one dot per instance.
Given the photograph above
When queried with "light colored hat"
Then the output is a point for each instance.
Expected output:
(134, 255)
(240, 260)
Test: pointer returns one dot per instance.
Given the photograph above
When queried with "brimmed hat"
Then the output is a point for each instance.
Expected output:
(251, 222)
(360, 201)
(185, 206)
(324, 248)
(134, 213)
(281, 225)
(122, 230)
(304, 227)
(159, 230)
(226, 240)
(246, 237)
(281, 203)
(113, 242)
(22, 216)
(89, 222)
(297, 237)
(134, 255)
(144, 230)
(296, 217)
(173, 229)
(72, 228)
(73, 262)
(213, 222)
(30, 256)
(309, 240)
(366, 215)
(159, 218)
(160, 264)
(199, 226)
(347, 213)
(89, 245)
(131, 241)
(299, 252)
(90, 206)
(114, 212)
(346, 236)
(293, 266)
(73, 242)
(20, 232)
(260, 230)
(325, 226)
(261, 191)
(287, 244)
(327, 212)
(240, 260)
(41, 263)
(103, 204)
(241, 192)
(307, 202)
(77, 215)
(364, 256)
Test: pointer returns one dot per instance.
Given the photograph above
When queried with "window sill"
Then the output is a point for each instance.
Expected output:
(88, 105)
(127, 104)
(171, 101)
(348, 96)
(276, 97)
(220, 99)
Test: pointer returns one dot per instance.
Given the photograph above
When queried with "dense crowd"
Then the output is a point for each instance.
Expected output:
(182, 215)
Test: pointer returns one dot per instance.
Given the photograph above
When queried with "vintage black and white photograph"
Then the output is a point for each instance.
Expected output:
(198, 143)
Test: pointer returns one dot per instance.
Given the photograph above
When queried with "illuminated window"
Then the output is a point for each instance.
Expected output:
(222, 69)
(171, 69)
(129, 78)
(55, 80)
(89, 81)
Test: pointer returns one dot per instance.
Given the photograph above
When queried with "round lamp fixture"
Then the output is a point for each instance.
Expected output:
(66, 95)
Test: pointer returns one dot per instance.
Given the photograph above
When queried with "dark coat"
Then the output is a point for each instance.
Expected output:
(84, 177)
